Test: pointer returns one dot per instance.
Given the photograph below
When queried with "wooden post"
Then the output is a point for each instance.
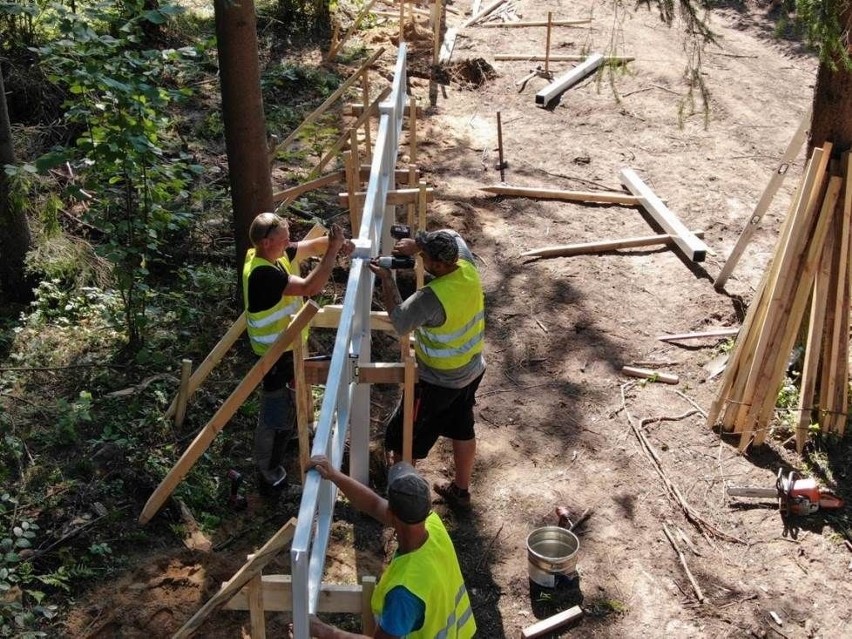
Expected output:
(421, 226)
(183, 391)
(368, 622)
(365, 99)
(212, 359)
(412, 130)
(412, 208)
(401, 21)
(501, 164)
(547, 46)
(304, 408)
(255, 601)
(438, 14)
(408, 399)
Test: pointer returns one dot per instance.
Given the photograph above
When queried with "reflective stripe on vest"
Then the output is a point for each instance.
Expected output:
(460, 337)
(432, 574)
(264, 327)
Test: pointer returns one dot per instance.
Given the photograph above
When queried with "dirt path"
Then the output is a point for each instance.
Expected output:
(554, 411)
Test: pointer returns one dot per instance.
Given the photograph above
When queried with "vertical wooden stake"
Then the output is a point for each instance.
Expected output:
(304, 412)
(412, 130)
(412, 208)
(183, 391)
(368, 622)
(501, 166)
(408, 399)
(401, 21)
(421, 225)
(547, 46)
(437, 16)
(254, 592)
(365, 91)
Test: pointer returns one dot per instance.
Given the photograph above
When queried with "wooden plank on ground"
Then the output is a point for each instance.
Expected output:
(765, 200)
(647, 373)
(552, 623)
(565, 81)
(585, 248)
(236, 583)
(721, 332)
(689, 245)
(536, 23)
(204, 438)
(612, 59)
(594, 197)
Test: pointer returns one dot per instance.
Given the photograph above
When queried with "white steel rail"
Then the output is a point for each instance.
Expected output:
(345, 400)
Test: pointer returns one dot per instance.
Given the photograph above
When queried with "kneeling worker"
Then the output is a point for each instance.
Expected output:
(422, 593)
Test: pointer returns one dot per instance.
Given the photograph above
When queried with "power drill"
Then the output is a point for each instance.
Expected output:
(235, 500)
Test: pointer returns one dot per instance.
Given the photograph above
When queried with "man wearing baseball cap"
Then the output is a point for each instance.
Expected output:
(421, 594)
(448, 316)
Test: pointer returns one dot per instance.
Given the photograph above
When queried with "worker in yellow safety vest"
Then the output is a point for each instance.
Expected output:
(421, 594)
(448, 316)
(272, 294)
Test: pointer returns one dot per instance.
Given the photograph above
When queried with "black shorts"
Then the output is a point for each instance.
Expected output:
(438, 412)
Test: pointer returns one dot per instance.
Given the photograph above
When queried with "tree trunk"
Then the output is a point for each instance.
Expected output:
(832, 105)
(14, 228)
(243, 117)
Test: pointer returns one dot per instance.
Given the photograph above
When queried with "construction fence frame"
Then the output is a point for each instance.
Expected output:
(345, 400)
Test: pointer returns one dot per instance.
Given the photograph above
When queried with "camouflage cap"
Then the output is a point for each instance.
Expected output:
(439, 245)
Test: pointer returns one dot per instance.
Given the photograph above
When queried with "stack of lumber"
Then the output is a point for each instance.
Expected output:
(809, 271)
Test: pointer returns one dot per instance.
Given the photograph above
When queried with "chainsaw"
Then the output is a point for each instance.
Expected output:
(796, 495)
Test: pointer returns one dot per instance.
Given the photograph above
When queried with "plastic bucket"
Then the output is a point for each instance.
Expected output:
(551, 553)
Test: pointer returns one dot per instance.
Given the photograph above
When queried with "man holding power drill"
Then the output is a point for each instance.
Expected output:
(272, 294)
(448, 315)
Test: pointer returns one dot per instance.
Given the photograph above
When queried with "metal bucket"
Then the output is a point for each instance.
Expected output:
(551, 553)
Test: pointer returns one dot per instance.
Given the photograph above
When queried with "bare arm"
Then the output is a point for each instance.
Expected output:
(317, 278)
(361, 496)
(321, 630)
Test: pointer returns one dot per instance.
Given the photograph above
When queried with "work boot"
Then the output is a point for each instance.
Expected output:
(452, 494)
(271, 483)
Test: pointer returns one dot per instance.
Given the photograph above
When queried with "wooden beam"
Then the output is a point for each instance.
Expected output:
(602, 247)
(293, 192)
(328, 102)
(595, 197)
(278, 597)
(316, 372)
(329, 317)
(534, 23)
(765, 200)
(183, 391)
(720, 332)
(395, 198)
(567, 80)
(358, 109)
(647, 373)
(506, 57)
(210, 362)
(401, 176)
(689, 245)
(204, 438)
(236, 583)
(552, 623)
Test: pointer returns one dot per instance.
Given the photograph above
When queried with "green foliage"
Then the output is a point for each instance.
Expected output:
(301, 17)
(22, 605)
(821, 19)
(128, 153)
(787, 405)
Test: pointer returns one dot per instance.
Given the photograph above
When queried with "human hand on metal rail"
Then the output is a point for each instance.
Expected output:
(382, 273)
(323, 466)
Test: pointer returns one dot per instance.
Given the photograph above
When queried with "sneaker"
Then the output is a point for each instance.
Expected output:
(452, 494)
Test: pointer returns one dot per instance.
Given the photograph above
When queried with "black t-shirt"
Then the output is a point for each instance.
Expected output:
(266, 285)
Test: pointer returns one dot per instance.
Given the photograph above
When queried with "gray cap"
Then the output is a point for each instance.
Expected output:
(439, 245)
(409, 496)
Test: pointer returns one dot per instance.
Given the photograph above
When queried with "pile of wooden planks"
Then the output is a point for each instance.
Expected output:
(811, 264)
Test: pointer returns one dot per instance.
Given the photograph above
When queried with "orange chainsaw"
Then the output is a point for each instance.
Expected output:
(796, 495)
